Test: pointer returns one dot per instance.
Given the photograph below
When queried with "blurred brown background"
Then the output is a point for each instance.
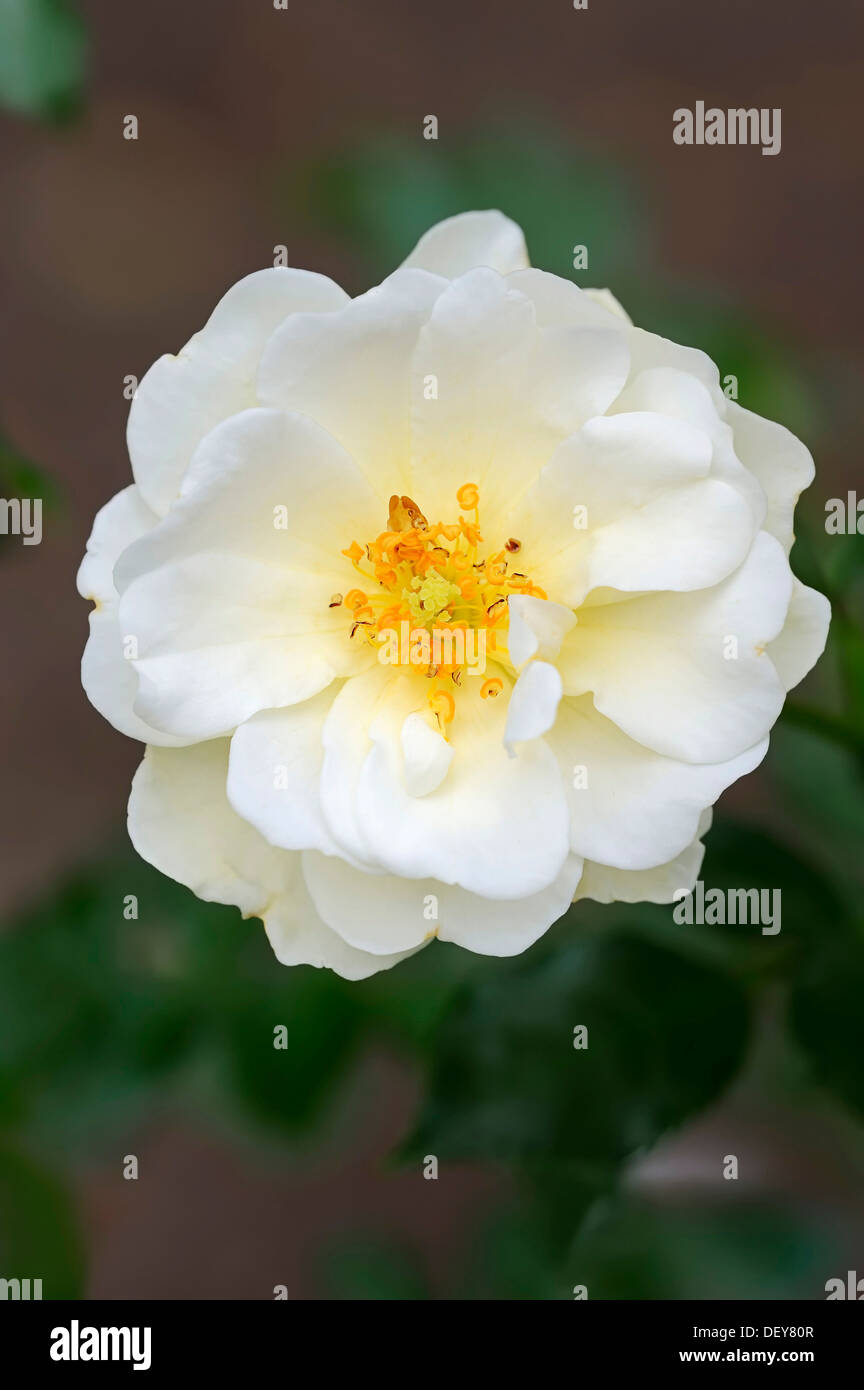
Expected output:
(115, 251)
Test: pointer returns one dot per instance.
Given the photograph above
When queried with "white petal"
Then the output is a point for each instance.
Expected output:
(181, 822)
(109, 679)
(373, 912)
(805, 632)
(351, 371)
(299, 937)
(694, 397)
(274, 772)
(658, 885)
(505, 928)
(782, 464)
(630, 808)
(558, 302)
(688, 539)
(649, 350)
(607, 300)
(688, 675)
(470, 239)
(379, 912)
(427, 756)
(505, 393)
(269, 487)
(232, 613)
(627, 503)
(120, 522)
(107, 676)
(496, 825)
(181, 398)
(537, 627)
(533, 703)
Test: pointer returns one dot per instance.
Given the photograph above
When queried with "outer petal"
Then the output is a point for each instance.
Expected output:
(181, 822)
(649, 350)
(657, 885)
(470, 239)
(688, 675)
(108, 678)
(378, 912)
(782, 464)
(607, 300)
(559, 302)
(120, 522)
(630, 808)
(231, 612)
(181, 398)
(351, 371)
(805, 632)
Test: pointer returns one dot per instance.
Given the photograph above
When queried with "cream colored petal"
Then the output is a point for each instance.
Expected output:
(181, 822)
(182, 398)
(658, 885)
(470, 239)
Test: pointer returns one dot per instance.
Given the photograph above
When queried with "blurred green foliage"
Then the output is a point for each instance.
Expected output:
(43, 50)
(106, 1019)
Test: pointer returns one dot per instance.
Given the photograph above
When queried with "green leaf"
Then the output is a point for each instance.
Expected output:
(42, 58)
(287, 1086)
(665, 1035)
(39, 1237)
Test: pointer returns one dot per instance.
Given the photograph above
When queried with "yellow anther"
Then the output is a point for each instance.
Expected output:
(442, 704)
(468, 496)
(354, 552)
(354, 599)
(491, 688)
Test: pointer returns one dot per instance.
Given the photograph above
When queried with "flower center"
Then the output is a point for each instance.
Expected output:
(430, 599)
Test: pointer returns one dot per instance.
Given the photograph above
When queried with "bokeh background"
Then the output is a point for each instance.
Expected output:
(304, 1167)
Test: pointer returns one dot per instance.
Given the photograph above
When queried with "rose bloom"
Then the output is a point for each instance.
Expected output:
(473, 452)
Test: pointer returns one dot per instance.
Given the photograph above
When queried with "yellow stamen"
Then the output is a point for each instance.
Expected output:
(442, 704)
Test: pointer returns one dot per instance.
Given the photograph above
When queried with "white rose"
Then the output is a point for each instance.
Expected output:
(472, 447)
